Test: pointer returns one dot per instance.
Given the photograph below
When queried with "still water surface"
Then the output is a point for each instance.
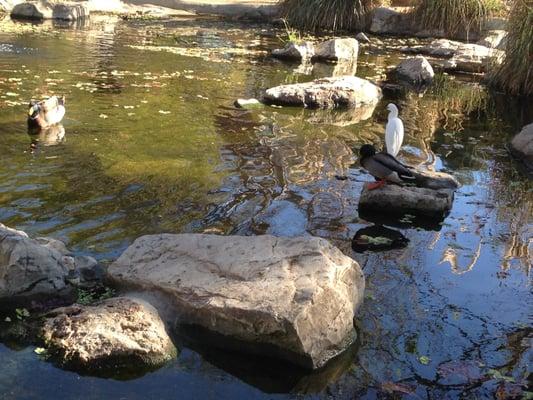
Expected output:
(152, 143)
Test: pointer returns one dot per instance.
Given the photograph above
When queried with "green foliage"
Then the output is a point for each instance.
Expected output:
(333, 15)
(292, 35)
(515, 73)
(22, 313)
(86, 297)
(453, 16)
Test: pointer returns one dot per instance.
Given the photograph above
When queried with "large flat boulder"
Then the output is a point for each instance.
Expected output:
(522, 146)
(333, 92)
(337, 49)
(294, 298)
(43, 9)
(402, 199)
(493, 39)
(38, 267)
(437, 48)
(114, 335)
(472, 58)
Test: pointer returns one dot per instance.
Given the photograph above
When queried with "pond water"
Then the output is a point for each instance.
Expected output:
(152, 143)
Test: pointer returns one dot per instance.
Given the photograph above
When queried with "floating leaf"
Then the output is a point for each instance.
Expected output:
(424, 360)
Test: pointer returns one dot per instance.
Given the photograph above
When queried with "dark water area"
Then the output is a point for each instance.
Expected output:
(152, 143)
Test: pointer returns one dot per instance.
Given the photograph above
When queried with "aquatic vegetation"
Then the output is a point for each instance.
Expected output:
(515, 73)
(333, 15)
(454, 16)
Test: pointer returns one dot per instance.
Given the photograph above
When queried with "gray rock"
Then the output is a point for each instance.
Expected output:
(522, 146)
(388, 21)
(337, 49)
(437, 48)
(295, 51)
(493, 39)
(401, 199)
(35, 268)
(247, 103)
(362, 37)
(344, 91)
(415, 70)
(472, 58)
(293, 298)
(113, 334)
(43, 9)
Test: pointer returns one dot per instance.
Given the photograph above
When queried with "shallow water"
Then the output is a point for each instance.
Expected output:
(153, 143)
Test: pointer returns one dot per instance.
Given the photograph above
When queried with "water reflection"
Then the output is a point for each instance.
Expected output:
(51, 136)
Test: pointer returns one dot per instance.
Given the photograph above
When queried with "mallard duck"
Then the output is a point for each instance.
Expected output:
(393, 131)
(384, 167)
(45, 113)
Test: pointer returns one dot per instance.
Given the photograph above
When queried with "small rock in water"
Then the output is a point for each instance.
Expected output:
(362, 37)
(247, 103)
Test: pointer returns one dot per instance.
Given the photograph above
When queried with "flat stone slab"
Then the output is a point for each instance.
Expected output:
(113, 335)
(293, 298)
(68, 11)
(333, 92)
(403, 199)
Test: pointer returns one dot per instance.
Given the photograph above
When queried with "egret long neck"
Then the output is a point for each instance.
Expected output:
(393, 114)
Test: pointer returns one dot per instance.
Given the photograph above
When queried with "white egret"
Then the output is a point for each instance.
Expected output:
(393, 131)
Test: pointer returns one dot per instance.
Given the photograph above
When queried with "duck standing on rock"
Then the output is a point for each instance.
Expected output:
(393, 131)
(46, 113)
(384, 167)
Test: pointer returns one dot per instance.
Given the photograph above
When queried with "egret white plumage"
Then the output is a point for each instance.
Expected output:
(393, 131)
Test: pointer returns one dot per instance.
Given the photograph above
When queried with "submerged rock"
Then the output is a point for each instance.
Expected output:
(43, 9)
(415, 70)
(292, 298)
(378, 238)
(114, 335)
(400, 199)
(337, 49)
(295, 51)
(31, 268)
(522, 146)
(344, 91)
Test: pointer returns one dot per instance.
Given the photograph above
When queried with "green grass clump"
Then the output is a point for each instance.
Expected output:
(313, 15)
(515, 74)
(454, 16)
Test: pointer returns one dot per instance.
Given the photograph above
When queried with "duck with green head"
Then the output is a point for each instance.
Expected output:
(45, 113)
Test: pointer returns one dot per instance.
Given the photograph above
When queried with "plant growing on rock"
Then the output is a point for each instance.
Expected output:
(515, 73)
(328, 14)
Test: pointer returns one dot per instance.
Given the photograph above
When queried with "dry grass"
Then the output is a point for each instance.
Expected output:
(515, 73)
(313, 15)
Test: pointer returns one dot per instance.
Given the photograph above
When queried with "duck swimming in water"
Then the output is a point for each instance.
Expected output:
(46, 113)
(384, 167)
(393, 131)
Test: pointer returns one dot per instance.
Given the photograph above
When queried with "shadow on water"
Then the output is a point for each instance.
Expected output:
(269, 374)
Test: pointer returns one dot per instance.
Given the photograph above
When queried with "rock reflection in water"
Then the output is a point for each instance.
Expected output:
(378, 238)
(270, 375)
(339, 68)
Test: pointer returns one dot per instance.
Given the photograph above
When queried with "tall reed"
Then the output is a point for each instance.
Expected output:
(314, 15)
(515, 74)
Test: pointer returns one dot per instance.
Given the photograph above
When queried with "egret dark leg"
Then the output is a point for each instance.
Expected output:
(376, 185)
